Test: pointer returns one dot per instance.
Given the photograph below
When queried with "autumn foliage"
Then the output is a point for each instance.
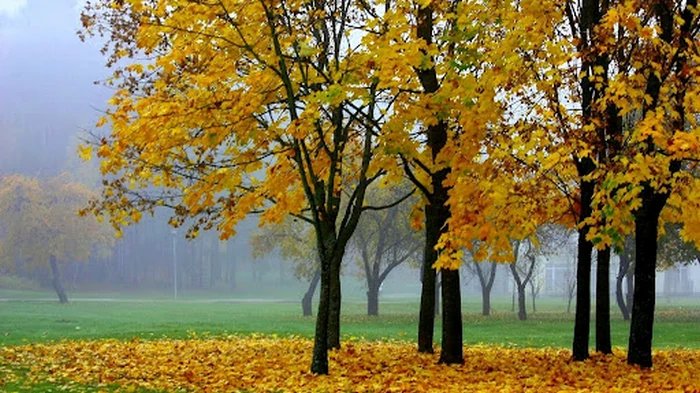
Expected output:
(259, 364)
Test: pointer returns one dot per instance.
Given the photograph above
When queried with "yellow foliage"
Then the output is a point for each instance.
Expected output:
(261, 364)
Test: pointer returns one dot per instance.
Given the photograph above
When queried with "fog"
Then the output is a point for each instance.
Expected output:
(48, 101)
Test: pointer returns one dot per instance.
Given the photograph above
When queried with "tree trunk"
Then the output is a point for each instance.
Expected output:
(451, 318)
(534, 297)
(334, 306)
(602, 306)
(619, 295)
(522, 304)
(485, 301)
(426, 317)
(373, 300)
(582, 324)
(306, 305)
(642, 325)
(57, 285)
(319, 363)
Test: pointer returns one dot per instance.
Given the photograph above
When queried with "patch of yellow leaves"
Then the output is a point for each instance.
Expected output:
(270, 364)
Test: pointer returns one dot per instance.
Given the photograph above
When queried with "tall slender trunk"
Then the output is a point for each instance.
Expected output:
(619, 291)
(602, 306)
(520, 288)
(646, 233)
(57, 284)
(582, 324)
(486, 285)
(306, 306)
(334, 306)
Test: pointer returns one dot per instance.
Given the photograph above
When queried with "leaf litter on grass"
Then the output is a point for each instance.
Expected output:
(264, 364)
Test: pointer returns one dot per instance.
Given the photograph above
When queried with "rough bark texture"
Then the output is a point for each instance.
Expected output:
(57, 284)
(306, 305)
(334, 307)
(602, 307)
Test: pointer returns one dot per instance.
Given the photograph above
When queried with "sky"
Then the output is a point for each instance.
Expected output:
(47, 94)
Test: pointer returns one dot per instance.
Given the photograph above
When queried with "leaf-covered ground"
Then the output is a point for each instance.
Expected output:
(260, 364)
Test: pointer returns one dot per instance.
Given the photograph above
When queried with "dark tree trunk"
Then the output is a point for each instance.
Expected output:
(602, 307)
(642, 325)
(619, 292)
(334, 307)
(522, 305)
(319, 363)
(451, 318)
(426, 318)
(582, 324)
(520, 286)
(306, 306)
(485, 301)
(373, 300)
(57, 284)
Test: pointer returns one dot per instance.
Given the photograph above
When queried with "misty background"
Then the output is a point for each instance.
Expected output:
(49, 99)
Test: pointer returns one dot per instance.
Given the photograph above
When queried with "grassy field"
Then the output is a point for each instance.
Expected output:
(42, 321)
(153, 317)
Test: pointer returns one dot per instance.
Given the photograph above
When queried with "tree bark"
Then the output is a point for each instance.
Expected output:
(334, 306)
(646, 233)
(451, 318)
(602, 307)
(426, 316)
(57, 284)
(306, 306)
(373, 300)
(486, 301)
(582, 324)
(520, 287)
(319, 362)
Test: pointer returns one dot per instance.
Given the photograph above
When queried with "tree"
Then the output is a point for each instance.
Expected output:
(41, 227)
(294, 239)
(384, 240)
(232, 90)
(522, 272)
(486, 276)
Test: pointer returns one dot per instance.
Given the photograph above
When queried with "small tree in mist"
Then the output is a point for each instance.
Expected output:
(294, 241)
(40, 227)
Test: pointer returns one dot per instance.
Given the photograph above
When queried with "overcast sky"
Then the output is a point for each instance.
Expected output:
(46, 75)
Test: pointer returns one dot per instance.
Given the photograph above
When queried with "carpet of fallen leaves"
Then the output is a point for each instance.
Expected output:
(260, 364)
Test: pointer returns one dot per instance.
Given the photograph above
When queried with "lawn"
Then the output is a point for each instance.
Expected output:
(197, 320)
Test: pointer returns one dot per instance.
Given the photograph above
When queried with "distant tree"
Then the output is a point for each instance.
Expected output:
(295, 243)
(40, 226)
(486, 273)
(383, 241)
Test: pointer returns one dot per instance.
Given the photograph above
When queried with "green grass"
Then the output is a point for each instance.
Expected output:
(33, 321)
(41, 321)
